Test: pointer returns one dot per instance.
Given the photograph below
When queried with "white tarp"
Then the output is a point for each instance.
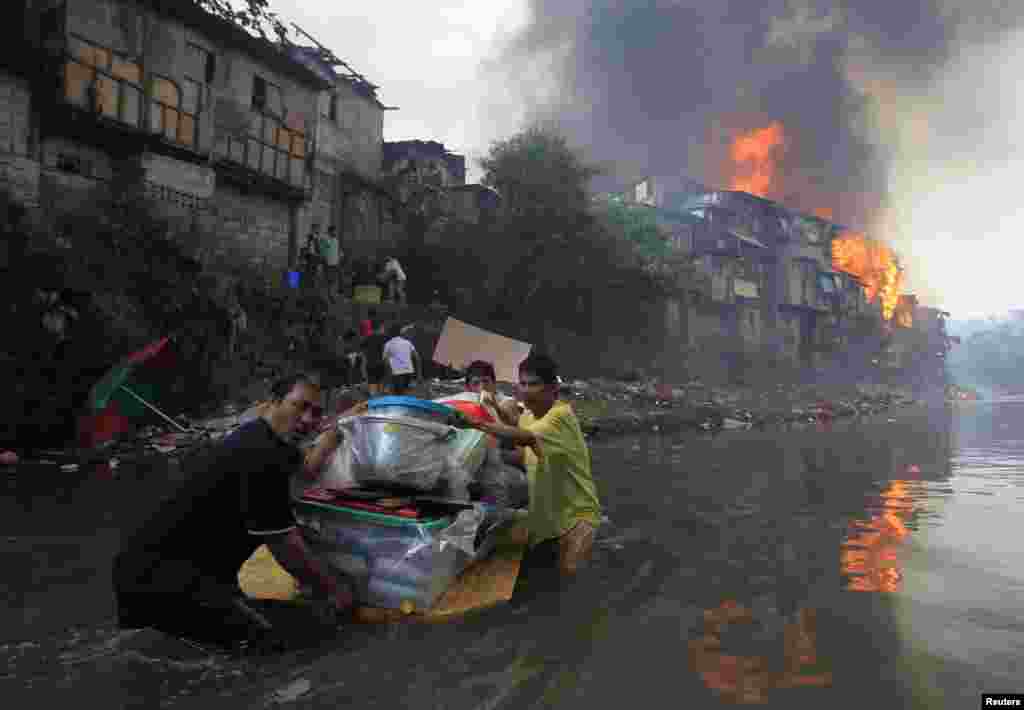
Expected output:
(462, 343)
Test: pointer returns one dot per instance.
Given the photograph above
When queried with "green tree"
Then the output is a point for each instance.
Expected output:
(539, 175)
(252, 15)
(637, 225)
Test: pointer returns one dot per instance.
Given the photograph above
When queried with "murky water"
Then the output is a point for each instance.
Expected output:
(874, 564)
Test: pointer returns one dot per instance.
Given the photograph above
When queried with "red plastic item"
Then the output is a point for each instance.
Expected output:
(371, 508)
(473, 410)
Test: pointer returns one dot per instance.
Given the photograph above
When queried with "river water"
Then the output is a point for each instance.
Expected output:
(873, 563)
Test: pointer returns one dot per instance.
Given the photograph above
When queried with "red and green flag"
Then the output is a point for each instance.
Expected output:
(126, 393)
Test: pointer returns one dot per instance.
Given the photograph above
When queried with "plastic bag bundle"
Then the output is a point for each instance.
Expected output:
(389, 560)
(392, 450)
(500, 484)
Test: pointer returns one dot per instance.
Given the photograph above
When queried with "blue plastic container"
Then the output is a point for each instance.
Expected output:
(294, 278)
(411, 407)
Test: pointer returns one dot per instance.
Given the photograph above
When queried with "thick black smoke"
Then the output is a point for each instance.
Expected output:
(662, 86)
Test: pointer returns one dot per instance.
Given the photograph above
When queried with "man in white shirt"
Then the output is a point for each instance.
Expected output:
(396, 280)
(403, 361)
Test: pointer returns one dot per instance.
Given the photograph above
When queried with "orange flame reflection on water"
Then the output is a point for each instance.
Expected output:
(870, 555)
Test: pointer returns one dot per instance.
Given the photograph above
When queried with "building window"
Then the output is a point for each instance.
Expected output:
(202, 65)
(259, 93)
(332, 108)
(266, 97)
(98, 79)
(168, 116)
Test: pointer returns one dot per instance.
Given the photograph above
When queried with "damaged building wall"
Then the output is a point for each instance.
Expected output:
(19, 172)
(259, 228)
(349, 139)
(164, 91)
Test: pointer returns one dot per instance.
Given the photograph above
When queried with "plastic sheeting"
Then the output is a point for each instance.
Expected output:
(402, 451)
(500, 484)
(392, 561)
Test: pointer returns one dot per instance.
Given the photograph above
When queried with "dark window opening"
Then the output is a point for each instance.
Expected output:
(332, 111)
(211, 68)
(259, 93)
(72, 164)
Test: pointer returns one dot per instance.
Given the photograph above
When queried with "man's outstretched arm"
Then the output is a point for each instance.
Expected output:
(291, 552)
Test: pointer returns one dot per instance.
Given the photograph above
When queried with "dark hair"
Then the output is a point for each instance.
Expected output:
(543, 366)
(480, 368)
(280, 389)
(396, 330)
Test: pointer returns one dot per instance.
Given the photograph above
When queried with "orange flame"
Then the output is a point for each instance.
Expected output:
(753, 159)
(904, 313)
(872, 262)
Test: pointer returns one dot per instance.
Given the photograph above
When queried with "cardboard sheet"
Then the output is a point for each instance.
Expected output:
(462, 343)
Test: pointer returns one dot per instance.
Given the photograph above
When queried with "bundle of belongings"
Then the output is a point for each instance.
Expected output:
(409, 500)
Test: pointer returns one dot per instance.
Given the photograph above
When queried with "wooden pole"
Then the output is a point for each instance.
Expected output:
(154, 409)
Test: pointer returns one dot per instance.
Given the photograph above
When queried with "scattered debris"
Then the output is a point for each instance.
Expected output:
(293, 691)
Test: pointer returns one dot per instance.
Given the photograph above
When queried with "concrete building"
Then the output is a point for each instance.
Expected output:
(768, 272)
(427, 177)
(251, 142)
(348, 189)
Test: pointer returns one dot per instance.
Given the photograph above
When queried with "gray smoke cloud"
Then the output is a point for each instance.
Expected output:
(663, 86)
(899, 115)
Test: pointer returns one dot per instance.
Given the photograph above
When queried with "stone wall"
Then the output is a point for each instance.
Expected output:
(254, 224)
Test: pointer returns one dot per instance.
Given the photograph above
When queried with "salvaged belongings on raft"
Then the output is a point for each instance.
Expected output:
(397, 510)
(406, 443)
(401, 558)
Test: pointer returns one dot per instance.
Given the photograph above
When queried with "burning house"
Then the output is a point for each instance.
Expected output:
(918, 342)
(772, 275)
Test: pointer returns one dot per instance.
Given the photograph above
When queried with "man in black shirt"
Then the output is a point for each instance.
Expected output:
(187, 556)
(376, 366)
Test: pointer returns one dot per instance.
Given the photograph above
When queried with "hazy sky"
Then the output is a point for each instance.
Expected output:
(900, 116)
(429, 59)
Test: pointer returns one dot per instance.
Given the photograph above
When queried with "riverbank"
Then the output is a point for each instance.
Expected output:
(606, 408)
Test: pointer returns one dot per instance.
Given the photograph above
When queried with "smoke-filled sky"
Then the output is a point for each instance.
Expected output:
(898, 115)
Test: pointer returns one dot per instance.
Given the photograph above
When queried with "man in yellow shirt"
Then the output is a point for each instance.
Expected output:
(564, 505)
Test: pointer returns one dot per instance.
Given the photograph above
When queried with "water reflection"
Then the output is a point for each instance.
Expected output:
(748, 679)
(870, 555)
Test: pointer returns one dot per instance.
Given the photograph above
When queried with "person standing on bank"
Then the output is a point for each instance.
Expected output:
(311, 259)
(403, 361)
(395, 281)
(564, 507)
(186, 558)
(330, 252)
(376, 364)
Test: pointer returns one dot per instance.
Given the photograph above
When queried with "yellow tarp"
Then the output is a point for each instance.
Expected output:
(483, 584)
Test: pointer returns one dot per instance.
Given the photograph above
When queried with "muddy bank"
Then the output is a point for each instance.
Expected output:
(613, 408)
